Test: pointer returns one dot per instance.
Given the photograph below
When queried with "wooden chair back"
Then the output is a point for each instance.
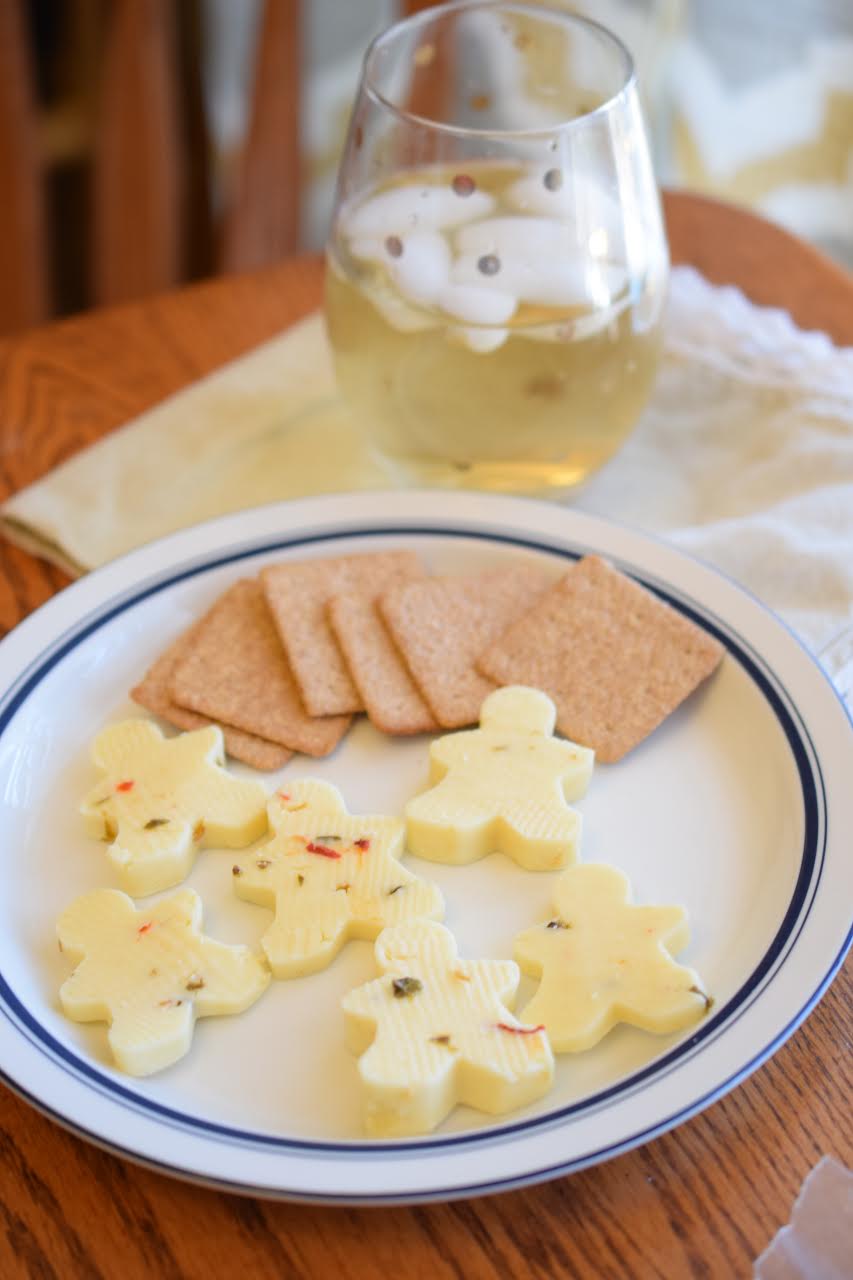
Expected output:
(150, 218)
(24, 298)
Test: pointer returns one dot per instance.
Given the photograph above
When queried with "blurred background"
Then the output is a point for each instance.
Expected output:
(146, 143)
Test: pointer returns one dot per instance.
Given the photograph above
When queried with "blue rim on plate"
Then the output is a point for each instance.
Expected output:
(814, 808)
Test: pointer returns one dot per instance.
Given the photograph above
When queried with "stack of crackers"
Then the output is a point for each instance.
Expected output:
(282, 662)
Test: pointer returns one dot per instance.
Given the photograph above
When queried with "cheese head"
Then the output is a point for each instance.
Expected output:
(517, 709)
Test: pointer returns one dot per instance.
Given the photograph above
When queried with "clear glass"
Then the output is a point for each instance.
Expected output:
(497, 265)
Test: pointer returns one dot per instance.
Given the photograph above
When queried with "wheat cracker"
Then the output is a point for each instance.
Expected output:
(442, 625)
(236, 671)
(389, 694)
(615, 659)
(153, 693)
(297, 595)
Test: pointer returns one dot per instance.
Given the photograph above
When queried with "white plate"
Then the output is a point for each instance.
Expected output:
(739, 807)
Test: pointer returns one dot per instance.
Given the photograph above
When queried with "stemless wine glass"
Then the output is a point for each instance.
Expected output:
(497, 265)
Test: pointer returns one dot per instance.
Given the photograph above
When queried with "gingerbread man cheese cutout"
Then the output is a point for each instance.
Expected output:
(329, 876)
(435, 1031)
(602, 961)
(503, 788)
(162, 799)
(150, 973)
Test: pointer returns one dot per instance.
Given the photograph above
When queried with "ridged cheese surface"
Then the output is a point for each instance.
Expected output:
(162, 799)
(150, 973)
(602, 960)
(435, 1031)
(329, 876)
(504, 787)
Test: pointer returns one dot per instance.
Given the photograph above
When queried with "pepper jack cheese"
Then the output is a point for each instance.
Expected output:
(329, 876)
(503, 788)
(162, 799)
(435, 1031)
(602, 961)
(150, 974)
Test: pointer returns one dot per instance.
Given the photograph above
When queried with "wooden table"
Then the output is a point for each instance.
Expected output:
(701, 1201)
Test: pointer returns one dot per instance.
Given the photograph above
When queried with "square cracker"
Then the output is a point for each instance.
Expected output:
(442, 625)
(297, 595)
(236, 671)
(390, 695)
(615, 659)
(153, 693)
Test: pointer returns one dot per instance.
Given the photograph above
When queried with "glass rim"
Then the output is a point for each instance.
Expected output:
(415, 20)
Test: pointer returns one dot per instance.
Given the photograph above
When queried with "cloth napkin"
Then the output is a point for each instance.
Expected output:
(744, 457)
(816, 1244)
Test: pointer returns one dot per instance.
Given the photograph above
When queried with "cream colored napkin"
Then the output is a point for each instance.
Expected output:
(744, 458)
(266, 426)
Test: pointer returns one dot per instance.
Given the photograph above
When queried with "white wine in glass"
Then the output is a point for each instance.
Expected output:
(497, 266)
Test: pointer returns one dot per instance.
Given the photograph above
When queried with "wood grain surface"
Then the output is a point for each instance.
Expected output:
(701, 1201)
